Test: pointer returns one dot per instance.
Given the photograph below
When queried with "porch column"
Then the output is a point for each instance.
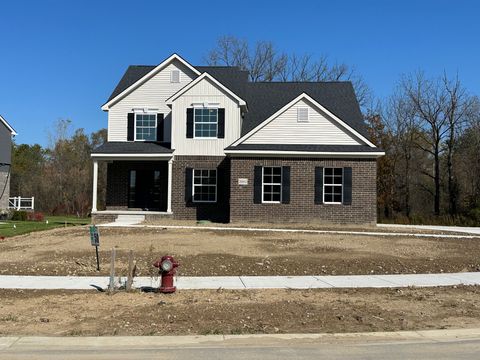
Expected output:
(169, 195)
(95, 182)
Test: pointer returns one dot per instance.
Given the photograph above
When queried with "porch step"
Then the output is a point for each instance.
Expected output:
(129, 219)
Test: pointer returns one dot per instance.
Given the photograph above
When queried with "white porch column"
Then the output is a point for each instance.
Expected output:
(95, 183)
(169, 197)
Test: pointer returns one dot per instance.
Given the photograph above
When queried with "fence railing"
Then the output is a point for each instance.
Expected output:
(21, 203)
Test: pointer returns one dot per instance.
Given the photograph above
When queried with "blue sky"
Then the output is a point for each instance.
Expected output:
(61, 59)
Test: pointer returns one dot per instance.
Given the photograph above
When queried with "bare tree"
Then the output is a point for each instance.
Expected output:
(459, 107)
(264, 62)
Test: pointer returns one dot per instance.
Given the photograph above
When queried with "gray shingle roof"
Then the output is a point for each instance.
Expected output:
(306, 148)
(265, 98)
(126, 147)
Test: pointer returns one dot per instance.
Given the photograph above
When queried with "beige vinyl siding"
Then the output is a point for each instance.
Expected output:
(151, 94)
(319, 130)
(202, 92)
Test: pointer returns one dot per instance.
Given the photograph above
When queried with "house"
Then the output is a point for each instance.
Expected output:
(6, 134)
(202, 142)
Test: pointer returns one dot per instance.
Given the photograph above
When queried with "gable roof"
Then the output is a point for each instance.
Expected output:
(7, 125)
(266, 98)
(316, 104)
(129, 85)
(213, 80)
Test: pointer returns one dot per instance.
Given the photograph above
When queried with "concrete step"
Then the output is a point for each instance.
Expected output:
(130, 219)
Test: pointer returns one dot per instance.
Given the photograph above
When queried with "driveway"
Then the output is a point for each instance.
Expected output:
(462, 229)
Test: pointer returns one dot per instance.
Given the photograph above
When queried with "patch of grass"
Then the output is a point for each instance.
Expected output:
(14, 228)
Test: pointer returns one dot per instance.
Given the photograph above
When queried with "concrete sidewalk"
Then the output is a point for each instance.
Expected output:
(247, 282)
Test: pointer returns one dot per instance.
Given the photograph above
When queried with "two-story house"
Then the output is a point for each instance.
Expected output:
(202, 142)
(6, 134)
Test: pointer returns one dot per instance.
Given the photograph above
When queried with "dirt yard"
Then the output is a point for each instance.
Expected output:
(211, 253)
(237, 312)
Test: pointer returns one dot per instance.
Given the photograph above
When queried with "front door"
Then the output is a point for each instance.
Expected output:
(145, 190)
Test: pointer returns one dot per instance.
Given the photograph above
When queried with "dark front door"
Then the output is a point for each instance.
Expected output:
(145, 190)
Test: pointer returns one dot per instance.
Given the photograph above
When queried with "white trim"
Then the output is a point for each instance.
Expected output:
(135, 125)
(169, 193)
(276, 153)
(9, 127)
(293, 102)
(281, 184)
(101, 156)
(95, 186)
(203, 122)
(337, 185)
(205, 75)
(159, 67)
(193, 186)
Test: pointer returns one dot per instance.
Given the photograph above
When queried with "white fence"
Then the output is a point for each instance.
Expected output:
(21, 203)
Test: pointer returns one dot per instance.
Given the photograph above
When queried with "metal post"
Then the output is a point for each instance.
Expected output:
(129, 284)
(98, 261)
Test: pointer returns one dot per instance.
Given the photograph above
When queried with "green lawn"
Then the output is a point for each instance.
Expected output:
(13, 228)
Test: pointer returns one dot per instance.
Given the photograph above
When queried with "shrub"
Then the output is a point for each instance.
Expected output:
(35, 216)
(19, 216)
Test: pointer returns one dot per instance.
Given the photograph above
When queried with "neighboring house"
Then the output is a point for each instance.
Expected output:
(6, 134)
(202, 142)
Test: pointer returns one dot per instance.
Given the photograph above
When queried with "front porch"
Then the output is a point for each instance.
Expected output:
(137, 184)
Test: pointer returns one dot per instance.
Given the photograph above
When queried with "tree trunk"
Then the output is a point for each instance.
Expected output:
(452, 191)
(436, 206)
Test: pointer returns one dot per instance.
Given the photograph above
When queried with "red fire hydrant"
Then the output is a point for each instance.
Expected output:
(167, 266)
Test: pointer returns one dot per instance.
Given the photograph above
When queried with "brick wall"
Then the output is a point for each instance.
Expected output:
(302, 180)
(218, 211)
(4, 183)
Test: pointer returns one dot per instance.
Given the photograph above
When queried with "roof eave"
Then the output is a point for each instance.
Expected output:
(329, 154)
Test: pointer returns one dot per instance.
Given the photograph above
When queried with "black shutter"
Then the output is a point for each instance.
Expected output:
(190, 123)
(318, 185)
(257, 185)
(160, 127)
(347, 186)
(188, 184)
(130, 126)
(221, 124)
(285, 184)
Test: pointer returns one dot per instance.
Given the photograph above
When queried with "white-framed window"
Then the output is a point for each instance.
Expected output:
(175, 76)
(302, 114)
(205, 122)
(204, 185)
(332, 185)
(272, 184)
(145, 127)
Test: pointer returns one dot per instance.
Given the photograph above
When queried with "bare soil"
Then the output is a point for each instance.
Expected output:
(237, 312)
(211, 253)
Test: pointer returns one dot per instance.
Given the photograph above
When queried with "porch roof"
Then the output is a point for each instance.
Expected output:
(127, 149)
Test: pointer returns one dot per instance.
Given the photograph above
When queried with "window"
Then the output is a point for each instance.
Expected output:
(332, 185)
(205, 122)
(302, 114)
(146, 127)
(272, 185)
(175, 76)
(204, 185)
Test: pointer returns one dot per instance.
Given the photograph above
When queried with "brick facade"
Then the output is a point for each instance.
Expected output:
(218, 211)
(4, 184)
(302, 181)
(118, 173)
